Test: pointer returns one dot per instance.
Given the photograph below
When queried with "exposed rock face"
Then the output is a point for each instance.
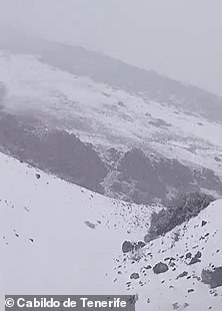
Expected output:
(181, 210)
(160, 268)
(212, 278)
(167, 264)
(136, 177)
(143, 179)
(56, 151)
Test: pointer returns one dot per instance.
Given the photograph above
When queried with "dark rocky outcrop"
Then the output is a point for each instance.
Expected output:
(212, 278)
(58, 152)
(142, 178)
(136, 177)
(181, 210)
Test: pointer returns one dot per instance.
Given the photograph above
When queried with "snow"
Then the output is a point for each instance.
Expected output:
(59, 238)
(165, 289)
(47, 247)
(65, 255)
(107, 117)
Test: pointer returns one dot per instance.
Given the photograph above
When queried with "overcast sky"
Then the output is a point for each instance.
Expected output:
(180, 38)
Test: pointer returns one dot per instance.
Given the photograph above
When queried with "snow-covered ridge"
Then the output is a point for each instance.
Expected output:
(108, 117)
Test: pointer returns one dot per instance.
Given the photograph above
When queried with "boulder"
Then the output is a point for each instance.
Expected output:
(134, 276)
(127, 247)
(160, 268)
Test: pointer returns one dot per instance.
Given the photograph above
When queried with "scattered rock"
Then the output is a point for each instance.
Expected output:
(131, 246)
(141, 244)
(204, 223)
(217, 159)
(134, 276)
(90, 224)
(160, 268)
(182, 275)
(198, 255)
(196, 258)
(188, 255)
(190, 290)
(148, 267)
(176, 306)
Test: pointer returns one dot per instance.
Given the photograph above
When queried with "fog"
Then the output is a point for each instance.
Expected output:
(181, 39)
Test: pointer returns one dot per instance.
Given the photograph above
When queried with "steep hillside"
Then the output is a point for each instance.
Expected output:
(181, 270)
(61, 238)
(95, 133)
(92, 109)
(58, 237)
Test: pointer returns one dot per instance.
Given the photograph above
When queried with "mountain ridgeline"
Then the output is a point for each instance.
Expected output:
(117, 74)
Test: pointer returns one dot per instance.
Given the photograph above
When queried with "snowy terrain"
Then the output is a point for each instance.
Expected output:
(107, 116)
(59, 238)
(116, 135)
(56, 236)
(186, 251)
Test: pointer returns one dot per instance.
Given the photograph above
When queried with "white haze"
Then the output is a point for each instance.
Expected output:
(181, 39)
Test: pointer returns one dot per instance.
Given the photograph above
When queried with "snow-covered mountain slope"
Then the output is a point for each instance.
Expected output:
(106, 116)
(117, 74)
(181, 270)
(60, 238)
